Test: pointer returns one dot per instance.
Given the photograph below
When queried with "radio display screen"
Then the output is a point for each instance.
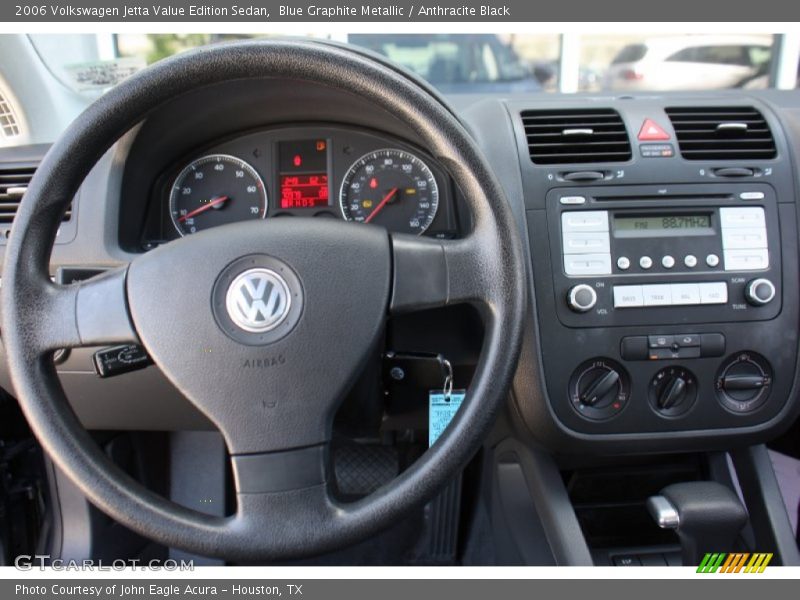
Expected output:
(662, 225)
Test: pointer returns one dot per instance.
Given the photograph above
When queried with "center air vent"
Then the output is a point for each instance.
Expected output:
(13, 184)
(722, 133)
(588, 135)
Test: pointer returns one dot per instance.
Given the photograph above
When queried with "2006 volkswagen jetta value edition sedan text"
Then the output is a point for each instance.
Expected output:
(279, 301)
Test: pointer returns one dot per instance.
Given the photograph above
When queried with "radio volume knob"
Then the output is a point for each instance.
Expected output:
(759, 292)
(582, 298)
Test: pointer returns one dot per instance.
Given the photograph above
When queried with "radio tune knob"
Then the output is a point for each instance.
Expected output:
(582, 298)
(759, 292)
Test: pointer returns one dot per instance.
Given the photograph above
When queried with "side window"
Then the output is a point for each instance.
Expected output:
(685, 55)
(724, 55)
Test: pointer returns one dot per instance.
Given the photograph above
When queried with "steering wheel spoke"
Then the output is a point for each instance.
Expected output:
(431, 273)
(277, 490)
(88, 313)
(281, 471)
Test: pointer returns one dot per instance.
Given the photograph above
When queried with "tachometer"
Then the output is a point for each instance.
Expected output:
(392, 188)
(215, 190)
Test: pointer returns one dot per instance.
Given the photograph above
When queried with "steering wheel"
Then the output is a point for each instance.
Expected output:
(234, 316)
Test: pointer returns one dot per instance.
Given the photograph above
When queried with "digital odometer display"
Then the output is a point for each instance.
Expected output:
(304, 191)
(303, 174)
(650, 225)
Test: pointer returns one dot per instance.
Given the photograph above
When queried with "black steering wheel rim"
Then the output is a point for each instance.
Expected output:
(485, 269)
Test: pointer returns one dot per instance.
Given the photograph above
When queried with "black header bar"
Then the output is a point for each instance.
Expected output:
(387, 11)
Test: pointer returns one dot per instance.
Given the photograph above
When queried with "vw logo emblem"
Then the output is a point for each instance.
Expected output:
(258, 300)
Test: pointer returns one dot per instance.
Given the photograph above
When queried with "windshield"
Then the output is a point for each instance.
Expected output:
(450, 60)
(471, 63)
(76, 68)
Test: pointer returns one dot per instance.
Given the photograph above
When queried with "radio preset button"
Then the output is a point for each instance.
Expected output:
(657, 295)
(586, 243)
(742, 216)
(746, 260)
(690, 260)
(627, 296)
(587, 264)
(684, 294)
(667, 262)
(713, 293)
(744, 238)
(584, 220)
(623, 263)
(712, 260)
(645, 262)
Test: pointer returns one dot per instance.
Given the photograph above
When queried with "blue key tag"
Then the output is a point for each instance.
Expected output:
(441, 411)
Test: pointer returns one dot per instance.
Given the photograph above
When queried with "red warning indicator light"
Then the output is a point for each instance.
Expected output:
(297, 160)
(373, 183)
(652, 132)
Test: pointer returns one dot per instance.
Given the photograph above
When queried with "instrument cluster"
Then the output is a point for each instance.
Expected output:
(322, 171)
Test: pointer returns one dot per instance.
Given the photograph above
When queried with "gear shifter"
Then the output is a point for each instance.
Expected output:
(706, 515)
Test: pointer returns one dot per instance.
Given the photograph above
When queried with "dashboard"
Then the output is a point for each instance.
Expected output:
(661, 233)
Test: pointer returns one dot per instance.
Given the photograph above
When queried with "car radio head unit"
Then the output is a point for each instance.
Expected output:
(629, 257)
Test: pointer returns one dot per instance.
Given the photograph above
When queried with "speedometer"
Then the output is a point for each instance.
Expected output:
(215, 190)
(392, 188)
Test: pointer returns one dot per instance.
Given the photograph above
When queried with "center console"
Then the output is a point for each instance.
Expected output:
(664, 287)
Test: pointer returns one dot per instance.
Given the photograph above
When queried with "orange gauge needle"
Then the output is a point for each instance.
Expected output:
(380, 206)
(214, 202)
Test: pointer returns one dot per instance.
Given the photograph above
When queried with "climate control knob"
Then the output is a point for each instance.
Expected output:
(743, 382)
(582, 298)
(759, 292)
(599, 388)
(673, 391)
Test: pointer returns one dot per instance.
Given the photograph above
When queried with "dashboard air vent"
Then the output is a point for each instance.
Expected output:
(8, 120)
(13, 184)
(588, 135)
(721, 133)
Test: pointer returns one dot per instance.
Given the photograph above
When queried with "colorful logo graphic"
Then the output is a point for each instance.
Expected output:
(737, 562)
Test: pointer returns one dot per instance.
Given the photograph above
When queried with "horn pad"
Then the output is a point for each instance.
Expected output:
(257, 300)
(268, 369)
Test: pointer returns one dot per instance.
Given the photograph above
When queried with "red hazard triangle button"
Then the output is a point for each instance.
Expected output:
(652, 131)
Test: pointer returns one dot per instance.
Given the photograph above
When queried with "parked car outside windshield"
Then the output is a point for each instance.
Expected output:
(688, 63)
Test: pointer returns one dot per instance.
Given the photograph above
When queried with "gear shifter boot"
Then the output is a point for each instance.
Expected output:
(706, 515)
